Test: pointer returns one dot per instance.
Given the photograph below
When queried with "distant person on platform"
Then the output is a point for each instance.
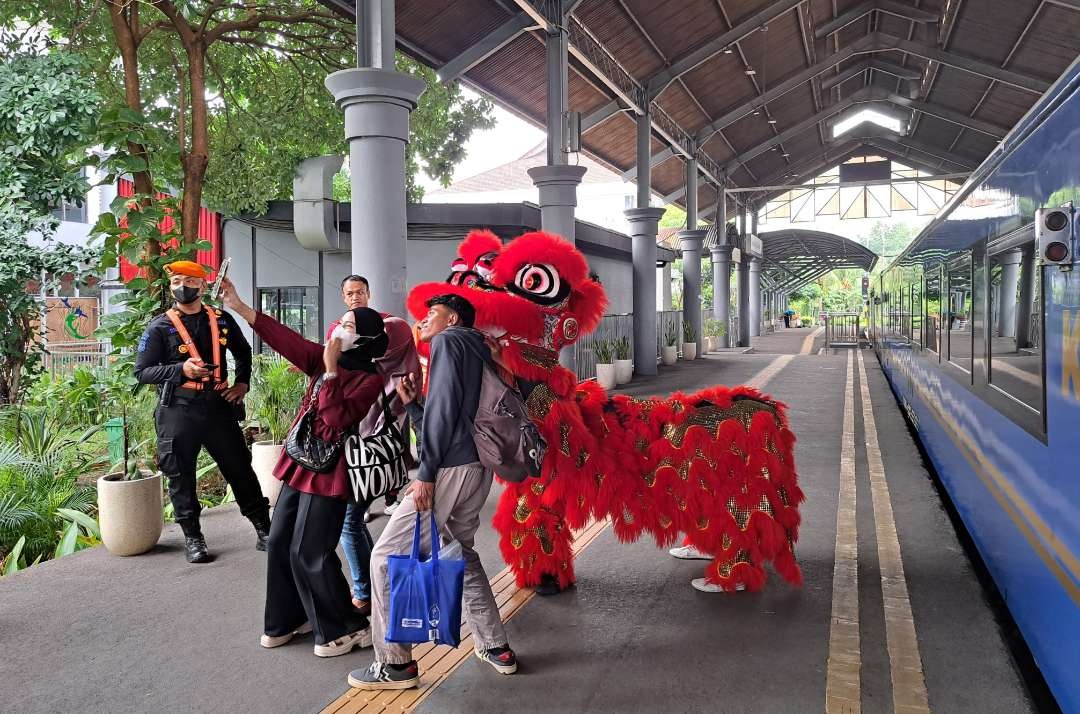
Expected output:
(183, 352)
(788, 314)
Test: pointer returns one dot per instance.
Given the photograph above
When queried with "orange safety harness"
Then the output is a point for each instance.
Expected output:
(190, 349)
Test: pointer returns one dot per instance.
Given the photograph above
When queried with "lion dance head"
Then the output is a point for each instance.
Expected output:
(536, 289)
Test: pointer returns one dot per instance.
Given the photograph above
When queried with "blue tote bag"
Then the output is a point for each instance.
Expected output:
(425, 595)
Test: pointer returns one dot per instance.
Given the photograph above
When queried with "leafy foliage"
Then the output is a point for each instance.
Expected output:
(45, 114)
(603, 350)
(41, 460)
(276, 390)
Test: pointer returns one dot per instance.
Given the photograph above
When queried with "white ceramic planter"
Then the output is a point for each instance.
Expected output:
(605, 375)
(669, 355)
(264, 456)
(689, 350)
(129, 513)
(624, 370)
(709, 344)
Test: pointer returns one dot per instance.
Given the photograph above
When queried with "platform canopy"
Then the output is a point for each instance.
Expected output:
(792, 258)
(753, 88)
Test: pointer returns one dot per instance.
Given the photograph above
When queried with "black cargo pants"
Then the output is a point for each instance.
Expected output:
(188, 425)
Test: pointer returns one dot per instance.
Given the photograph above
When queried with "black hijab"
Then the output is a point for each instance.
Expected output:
(371, 344)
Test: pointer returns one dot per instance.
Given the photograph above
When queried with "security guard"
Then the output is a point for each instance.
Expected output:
(183, 352)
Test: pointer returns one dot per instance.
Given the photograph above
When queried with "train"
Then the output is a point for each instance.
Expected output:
(977, 327)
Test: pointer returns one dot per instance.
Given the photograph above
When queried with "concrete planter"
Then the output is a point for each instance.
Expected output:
(605, 375)
(669, 354)
(689, 350)
(129, 513)
(709, 344)
(624, 370)
(264, 456)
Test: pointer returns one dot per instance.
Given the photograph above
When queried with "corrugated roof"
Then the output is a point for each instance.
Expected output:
(953, 67)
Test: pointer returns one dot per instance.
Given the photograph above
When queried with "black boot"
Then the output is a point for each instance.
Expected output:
(196, 551)
(549, 585)
(262, 532)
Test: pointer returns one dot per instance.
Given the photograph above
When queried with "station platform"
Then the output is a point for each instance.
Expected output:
(891, 616)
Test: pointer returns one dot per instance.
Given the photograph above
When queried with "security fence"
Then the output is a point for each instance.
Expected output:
(841, 329)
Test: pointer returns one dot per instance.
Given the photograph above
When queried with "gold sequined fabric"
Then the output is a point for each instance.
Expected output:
(539, 402)
(538, 356)
(710, 417)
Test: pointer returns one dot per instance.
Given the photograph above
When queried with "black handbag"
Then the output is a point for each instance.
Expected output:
(376, 464)
(306, 449)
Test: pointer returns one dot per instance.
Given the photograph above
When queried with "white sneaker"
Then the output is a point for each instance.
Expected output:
(345, 644)
(689, 552)
(389, 510)
(706, 587)
(269, 641)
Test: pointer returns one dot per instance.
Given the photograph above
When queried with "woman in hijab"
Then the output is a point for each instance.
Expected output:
(356, 542)
(305, 588)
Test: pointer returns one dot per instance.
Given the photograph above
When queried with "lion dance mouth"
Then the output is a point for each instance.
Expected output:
(714, 469)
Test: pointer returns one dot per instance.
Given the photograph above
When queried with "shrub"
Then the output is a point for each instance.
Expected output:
(276, 391)
(604, 350)
(670, 335)
(688, 332)
(622, 348)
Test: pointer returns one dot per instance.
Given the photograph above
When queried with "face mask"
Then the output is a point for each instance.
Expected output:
(185, 295)
(348, 339)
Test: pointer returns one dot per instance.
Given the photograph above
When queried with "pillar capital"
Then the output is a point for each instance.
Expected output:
(1011, 257)
(376, 102)
(721, 253)
(559, 182)
(643, 221)
(692, 240)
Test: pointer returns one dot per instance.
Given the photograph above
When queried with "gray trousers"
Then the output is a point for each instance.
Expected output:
(460, 492)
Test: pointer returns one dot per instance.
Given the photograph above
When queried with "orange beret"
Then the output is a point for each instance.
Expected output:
(186, 267)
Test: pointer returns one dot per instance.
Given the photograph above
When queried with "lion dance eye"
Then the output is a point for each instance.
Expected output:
(540, 282)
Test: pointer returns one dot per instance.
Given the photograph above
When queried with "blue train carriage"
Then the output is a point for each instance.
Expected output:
(977, 326)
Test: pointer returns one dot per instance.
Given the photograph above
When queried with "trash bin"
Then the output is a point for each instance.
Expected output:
(114, 428)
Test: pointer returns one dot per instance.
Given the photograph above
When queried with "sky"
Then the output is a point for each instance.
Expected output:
(509, 139)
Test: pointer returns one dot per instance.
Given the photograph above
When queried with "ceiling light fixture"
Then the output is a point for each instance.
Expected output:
(772, 121)
(751, 72)
(727, 50)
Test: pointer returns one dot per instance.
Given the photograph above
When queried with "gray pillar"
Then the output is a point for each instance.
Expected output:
(558, 197)
(1010, 269)
(721, 271)
(691, 194)
(743, 308)
(376, 102)
(1028, 272)
(755, 296)
(558, 101)
(643, 225)
(691, 243)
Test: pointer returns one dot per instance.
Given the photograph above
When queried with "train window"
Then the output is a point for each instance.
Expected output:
(932, 326)
(958, 328)
(916, 313)
(905, 311)
(1014, 368)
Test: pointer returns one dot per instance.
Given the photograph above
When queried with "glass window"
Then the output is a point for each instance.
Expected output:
(296, 308)
(932, 326)
(916, 313)
(958, 328)
(1014, 369)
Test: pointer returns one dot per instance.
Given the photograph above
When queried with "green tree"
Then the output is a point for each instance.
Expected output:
(45, 113)
(674, 217)
(239, 90)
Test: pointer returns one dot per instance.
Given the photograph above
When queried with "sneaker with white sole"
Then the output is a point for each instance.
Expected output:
(706, 587)
(501, 658)
(345, 644)
(689, 552)
(271, 641)
(386, 676)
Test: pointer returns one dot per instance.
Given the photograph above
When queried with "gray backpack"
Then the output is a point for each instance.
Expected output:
(506, 438)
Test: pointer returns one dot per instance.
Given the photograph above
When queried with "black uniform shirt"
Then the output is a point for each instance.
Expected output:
(159, 359)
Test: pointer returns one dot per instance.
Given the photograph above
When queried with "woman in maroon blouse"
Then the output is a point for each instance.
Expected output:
(305, 587)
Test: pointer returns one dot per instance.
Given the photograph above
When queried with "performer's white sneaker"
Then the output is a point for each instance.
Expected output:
(706, 587)
(689, 552)
(345, 644)
(270, 641)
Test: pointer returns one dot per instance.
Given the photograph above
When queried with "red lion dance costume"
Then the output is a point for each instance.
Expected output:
(715, 467)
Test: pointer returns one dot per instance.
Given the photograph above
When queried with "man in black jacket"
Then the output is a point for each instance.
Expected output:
(183, 352)
(454, 483)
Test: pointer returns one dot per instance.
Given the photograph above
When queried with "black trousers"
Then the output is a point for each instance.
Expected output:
(188, 425)
(304, 581)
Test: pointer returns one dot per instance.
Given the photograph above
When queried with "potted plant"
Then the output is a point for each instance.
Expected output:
(130, 497)
(669, 353)
(689, 345)
(624, 366)
(276, 391)
(717, 329)
(605, 366)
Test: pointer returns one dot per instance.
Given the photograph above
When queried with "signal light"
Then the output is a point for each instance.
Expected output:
(1053, 231)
